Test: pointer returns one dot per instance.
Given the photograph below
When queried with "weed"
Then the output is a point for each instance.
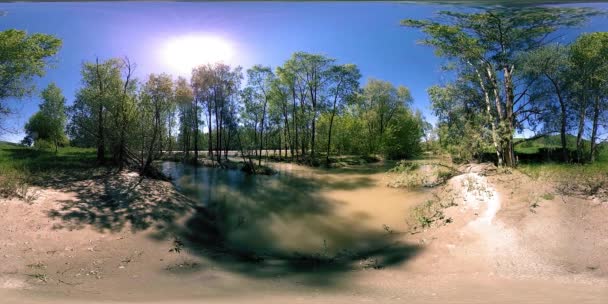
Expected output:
(178, 245)
(387, 229)
(404, 166)
(534, 205)
(429, 212)
(548, 196)
(40, 277)
(38, 265)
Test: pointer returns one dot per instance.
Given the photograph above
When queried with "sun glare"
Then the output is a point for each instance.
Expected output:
(183, 53)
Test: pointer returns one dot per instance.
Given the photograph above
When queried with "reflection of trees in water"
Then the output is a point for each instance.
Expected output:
(253, 225)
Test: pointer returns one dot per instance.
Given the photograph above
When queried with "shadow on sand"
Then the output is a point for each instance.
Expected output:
(255, 226)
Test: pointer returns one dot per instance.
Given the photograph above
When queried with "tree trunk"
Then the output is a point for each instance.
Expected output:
(195, 119)
(210, 140)
(594, 128)
(294, 146)
(262, 131)
(100, 140)
(581, 129)
(100, 137)
(490, 119)
(508, 120)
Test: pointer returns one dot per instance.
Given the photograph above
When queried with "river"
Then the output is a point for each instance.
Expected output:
(300, 209)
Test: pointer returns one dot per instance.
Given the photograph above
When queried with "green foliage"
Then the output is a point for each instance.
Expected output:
(485, 46)
(23, 57)
(548, 196)
(429, 212)
(47, 126)
(404, 166)
(22, 166)
(401, 138)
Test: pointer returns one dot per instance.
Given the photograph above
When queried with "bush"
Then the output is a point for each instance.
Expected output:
(13, 183)
(404, 166)
(402, 138)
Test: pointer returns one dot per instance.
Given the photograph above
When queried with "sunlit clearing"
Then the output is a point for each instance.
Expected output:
(183, 53)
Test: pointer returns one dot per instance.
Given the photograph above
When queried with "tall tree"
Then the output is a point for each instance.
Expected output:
(380, 102)
(53, 110)
(157, 97)
(489, 41)
(551, 63)
(590, 63)
(344, 84)
(101, 81)
(260, 79)
(185, 103)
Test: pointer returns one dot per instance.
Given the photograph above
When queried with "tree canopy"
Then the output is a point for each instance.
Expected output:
(23, 56)
(484, 47)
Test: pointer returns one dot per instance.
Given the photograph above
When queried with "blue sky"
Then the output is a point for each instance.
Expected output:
(367, 34)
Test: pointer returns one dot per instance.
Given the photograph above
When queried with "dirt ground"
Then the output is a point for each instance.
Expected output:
(502, 238)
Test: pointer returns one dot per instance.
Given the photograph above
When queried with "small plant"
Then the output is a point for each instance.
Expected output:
(404, 166)
(178, 245)
(533, 206)
(38, 265)
(40, 277)
(548, 196)
(431, 211)
(387, 229)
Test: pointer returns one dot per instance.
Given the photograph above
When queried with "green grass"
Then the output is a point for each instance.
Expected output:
(21, 166)
(548, 196)
(585, 179)
(537, 170)
(34, 160)
(598, 167)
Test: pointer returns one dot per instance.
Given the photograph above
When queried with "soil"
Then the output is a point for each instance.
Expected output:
(503, 238)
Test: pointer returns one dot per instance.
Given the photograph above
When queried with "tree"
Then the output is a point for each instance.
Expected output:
(401, 139)
(22, 57)
(552, 63)
(104, 109)
(154, 107)
(380, 102)
(49, 122)
(464, 124)
(259, 79)
(344, 84)
(186, 113)
(590, 63)
(489, 41)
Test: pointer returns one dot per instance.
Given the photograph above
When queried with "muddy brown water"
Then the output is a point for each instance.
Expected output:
(300, 210)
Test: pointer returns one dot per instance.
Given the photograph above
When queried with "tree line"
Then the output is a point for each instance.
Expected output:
(511, 75)
(307, 110)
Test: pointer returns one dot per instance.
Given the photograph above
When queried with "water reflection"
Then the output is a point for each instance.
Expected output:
(295, 216)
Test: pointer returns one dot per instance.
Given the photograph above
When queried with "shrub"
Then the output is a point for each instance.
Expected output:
(13, 183)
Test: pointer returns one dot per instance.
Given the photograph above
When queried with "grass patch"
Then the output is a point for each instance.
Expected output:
(548, 196)
(430, 212)
(404, 166)
(412, 174)
(22, 166)
(572, 179)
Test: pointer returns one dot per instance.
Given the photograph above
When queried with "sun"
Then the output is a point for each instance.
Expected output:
(183, 53)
